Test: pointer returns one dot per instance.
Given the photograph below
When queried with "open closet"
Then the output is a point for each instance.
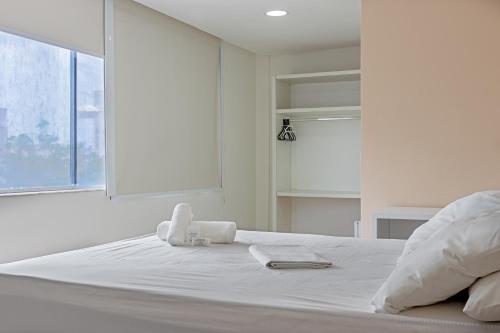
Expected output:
(316, 149)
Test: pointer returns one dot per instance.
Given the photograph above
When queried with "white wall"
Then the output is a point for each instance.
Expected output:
(41, 224)
(262, 144)
(317, 61)
(324, 216)
(267, 66)
(239, 135)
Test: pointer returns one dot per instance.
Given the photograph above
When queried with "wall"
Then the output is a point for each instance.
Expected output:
(263, 138)
(267, 66)
(316, 214)
(41, 224)
(316, 61)
(239, 135)
(431, 101)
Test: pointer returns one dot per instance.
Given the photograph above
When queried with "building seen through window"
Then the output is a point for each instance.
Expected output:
(51, 116)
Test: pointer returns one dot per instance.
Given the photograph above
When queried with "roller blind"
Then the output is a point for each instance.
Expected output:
(164, 123)
(73, 24)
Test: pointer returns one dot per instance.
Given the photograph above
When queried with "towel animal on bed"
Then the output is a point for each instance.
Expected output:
(175, 232)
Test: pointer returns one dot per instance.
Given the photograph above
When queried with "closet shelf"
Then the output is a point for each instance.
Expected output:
(348, 111)
(320, 194)
(336, 76)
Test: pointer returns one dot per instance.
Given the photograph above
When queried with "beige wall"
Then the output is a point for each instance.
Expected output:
(431, 101)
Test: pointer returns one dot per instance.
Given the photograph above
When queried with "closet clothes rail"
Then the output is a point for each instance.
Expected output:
(325, 119)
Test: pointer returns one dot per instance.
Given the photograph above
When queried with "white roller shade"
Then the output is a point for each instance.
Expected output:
(73, 24)
(163, 129)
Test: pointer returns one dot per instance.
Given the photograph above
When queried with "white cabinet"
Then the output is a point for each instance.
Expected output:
(316, 179)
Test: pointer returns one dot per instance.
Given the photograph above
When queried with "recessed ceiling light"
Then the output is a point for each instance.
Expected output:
(276, 13)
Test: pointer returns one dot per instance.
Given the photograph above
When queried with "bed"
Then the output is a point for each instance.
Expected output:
(144, 285)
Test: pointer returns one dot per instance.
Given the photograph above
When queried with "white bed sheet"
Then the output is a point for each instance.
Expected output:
(145, 285)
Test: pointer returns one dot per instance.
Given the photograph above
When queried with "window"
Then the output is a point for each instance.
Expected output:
(51, 117)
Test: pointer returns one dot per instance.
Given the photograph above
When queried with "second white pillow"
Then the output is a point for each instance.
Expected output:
(484, 299)
(446, 263)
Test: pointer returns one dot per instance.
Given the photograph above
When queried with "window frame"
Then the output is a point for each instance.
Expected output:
(73, 186)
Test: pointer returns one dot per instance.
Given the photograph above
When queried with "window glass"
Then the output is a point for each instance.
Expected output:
(90, 120)
(36, 81)
(34, 113)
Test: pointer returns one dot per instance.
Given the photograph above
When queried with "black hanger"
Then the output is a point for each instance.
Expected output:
(286, 133)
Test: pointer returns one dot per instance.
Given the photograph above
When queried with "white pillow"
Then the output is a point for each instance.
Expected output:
(484, 299)
(465, 208)
(446, 263)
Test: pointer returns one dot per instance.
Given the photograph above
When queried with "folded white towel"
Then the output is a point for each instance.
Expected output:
(287, 256)
(181, 218)
(219, 232)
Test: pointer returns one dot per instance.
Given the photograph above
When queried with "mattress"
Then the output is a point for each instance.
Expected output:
(145, 285)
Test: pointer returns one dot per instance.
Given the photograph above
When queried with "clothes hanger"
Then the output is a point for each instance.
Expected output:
(286, 133)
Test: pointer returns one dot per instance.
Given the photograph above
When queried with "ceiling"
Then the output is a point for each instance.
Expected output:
(310, 24)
